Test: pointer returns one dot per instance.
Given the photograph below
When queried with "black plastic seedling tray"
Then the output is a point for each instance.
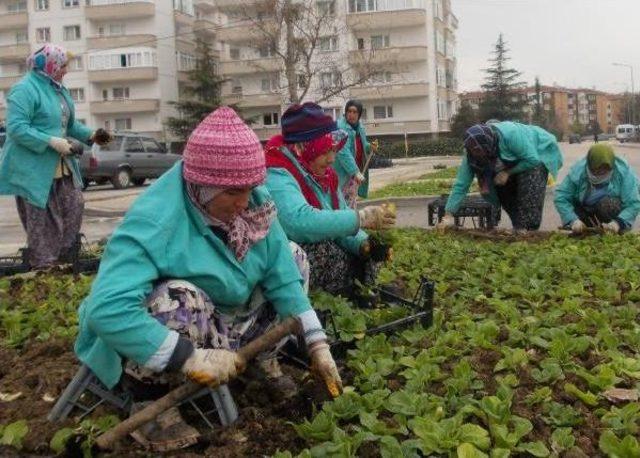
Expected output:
(483, 214)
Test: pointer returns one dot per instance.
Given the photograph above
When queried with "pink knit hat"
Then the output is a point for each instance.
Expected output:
(224, 152)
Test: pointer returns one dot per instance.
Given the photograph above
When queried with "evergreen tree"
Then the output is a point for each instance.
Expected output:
(538, 117)
(502, 99)
(202, 95)
(463, 119)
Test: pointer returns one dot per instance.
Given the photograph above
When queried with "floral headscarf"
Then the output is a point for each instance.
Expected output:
(49, 60)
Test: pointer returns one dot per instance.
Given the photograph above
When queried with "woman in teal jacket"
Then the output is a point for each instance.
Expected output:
(199, 266)
(600, 190)
(311, 207)
(512, 162)
(37, 164)
(351, 158)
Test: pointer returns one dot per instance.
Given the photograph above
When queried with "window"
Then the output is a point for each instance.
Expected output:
(43, 35)
(112, 30)
(131, 144)
(22, 37)
(77, 94)
(270, 119)
(234, 53)
(113, 145)
(439, 9)
(326, 8)
(75, 64)
(360, 43)
(358, 6)
(42, 5)
(441, 78)
(146, 58)
(71, 32)
(70, 3)
(17, 7)
(186, 62)
(379, 41)
(329, 80)
(105, 95)
(120, 93)
(236, 87)
(440, 44)
(270, 84)
(267, 50)
(442, 111)
(329, 43)
(335, 113)
(382, 112)
(381, 78)
(152, 146)
(184, 6)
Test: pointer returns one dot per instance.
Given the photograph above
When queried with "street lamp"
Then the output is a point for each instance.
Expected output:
(633, 93)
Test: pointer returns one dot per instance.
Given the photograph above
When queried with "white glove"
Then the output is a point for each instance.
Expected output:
(61, 145)
(376, 217)
(501, 178)
(212, 367)
(323, 365)
(445, 223)
(612, 227)
(312, 330)
(578, 227)
(359, 177)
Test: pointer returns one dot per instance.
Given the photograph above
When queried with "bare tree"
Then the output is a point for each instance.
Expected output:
(297, 33)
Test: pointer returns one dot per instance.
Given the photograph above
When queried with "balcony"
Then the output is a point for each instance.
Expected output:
(244, 67)
(205, 5)
(125, 106)
(183, 19)
(252, 100)
(122, 41)
(185, 45)
(123, 74)
(386, 19)
(15, 52)
(227, 5)
(391, 91)
(123, 9)
(7, 81)
(388, 56)
(13, 21)
(246, 31)
(386, 127)
(444, 126)
(205, 28)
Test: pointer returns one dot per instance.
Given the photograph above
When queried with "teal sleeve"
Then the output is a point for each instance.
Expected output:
(630, 198)
(519, 149)
(460, 188)
(20, 110)
(302, 222)
(79, 131)
(283, 285)
(345, 158)
(352, 243)
(564, 200)
(115, 310)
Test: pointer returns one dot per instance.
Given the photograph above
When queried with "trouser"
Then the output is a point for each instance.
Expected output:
(52, 231)
(185, 308)
(522, 197)
(605, 210)
(334, 270)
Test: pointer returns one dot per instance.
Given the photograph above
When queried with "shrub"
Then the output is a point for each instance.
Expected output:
(440, 147)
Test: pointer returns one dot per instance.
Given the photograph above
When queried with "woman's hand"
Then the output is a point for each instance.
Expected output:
(359, 177)
(501, 178)
(323, 365)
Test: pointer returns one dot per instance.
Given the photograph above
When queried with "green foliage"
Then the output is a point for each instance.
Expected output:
(439, 147)
(14, 433)
(619, 448)
(463, 119)
(624, 420)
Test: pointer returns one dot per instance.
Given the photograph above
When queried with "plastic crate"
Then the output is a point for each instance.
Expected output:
(483, 214)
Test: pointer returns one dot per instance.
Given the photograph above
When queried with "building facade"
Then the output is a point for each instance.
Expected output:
(413, 45)
(132, 57)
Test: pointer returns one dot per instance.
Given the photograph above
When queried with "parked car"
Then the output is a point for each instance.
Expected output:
(128, 159)
(626, 132)
(575, 138)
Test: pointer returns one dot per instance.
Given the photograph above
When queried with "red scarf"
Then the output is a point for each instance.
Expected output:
(359, 151)
(329, 182)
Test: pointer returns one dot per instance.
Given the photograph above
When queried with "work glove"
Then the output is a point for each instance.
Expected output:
(61, 145)
(323, 365)
(578, 227)
(501, 178)
(359, 177)
(612, 227)
(376, 217)
(101, 137)
(447, 222)
(373, 145)
(213, 367)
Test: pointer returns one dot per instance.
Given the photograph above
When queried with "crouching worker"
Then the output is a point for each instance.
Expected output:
(311, 206)
(199, 267)
(600, 190)
(512, 162)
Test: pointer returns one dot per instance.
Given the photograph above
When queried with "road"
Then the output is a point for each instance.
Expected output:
(104, 205)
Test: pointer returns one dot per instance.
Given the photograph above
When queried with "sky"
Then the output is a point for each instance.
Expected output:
(571, 43)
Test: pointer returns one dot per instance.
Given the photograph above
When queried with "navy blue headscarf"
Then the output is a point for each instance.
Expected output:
(481, 144)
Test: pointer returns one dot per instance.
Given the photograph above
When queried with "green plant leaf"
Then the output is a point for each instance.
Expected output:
(467, 450)
(14, 433)
(60, 438)
(562, 439)
(537, 449)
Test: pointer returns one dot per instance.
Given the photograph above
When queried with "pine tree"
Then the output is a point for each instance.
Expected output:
(202, 96)
(538, 118)
(463, 119)
(502, 99)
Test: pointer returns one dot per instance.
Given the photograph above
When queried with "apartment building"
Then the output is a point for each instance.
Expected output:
(132, 55)
(413, 43)
(569, 106)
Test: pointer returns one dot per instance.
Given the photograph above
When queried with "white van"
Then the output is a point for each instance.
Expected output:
(625, 132)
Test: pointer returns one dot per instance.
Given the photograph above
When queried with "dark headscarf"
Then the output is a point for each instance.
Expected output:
(358, 105)
(481, 144)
